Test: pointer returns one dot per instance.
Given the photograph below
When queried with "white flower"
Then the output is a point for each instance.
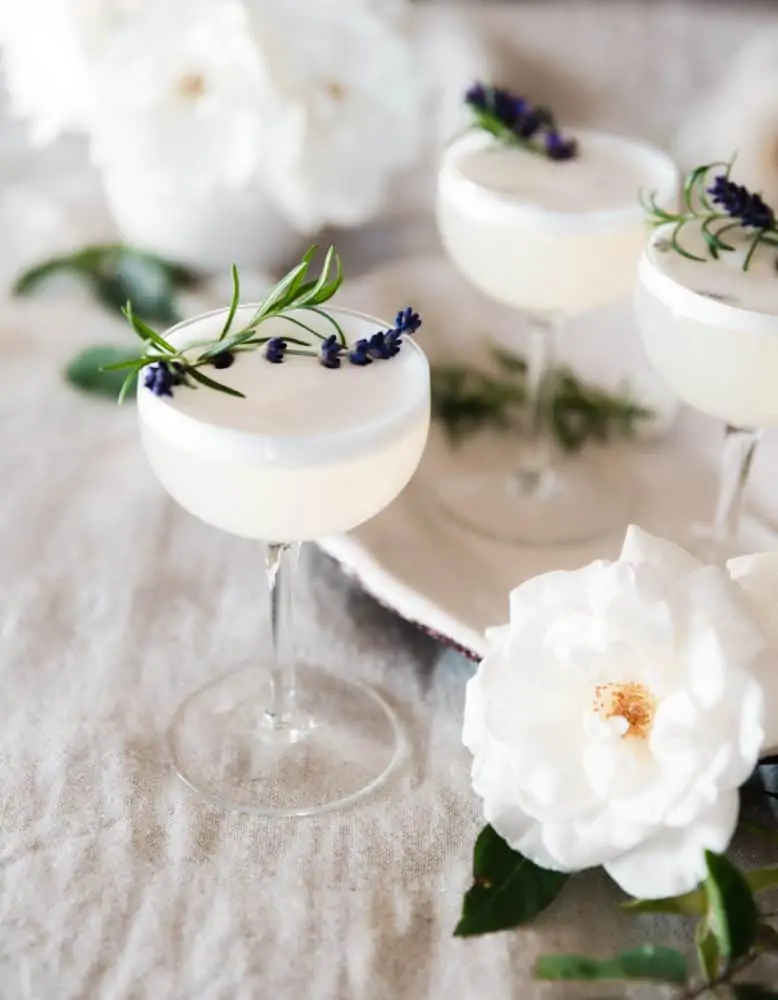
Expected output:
(346, 111)
(46, 67)
(181, 90)
(739, 115)
(613, 720)
(320, 103)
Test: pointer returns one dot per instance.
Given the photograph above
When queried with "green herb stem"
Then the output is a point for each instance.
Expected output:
(697, 208)
(295, 292)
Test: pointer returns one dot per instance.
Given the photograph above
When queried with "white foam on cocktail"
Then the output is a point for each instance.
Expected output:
(700, 288)
(710, 328)
(598, 187)
(549, 236)
(309, 452)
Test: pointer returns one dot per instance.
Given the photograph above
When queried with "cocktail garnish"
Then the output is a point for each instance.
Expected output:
(167, 367)
(720, 206)
(515, 122)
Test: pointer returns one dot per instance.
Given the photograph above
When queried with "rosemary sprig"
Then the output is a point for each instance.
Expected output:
(465, 401)
(295, 292)
(717, 208)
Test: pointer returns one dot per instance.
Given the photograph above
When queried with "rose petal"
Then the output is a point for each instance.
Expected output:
(520, 832)
(757, 575)
(559, 588)
(592, 840)
(717, 600)
(673, 861)
(669, 561)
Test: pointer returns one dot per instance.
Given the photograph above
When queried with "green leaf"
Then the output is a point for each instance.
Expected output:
(115, 273)
(143, 282)
(690, 904)
(233, 304)
(770, 832)
(508, 889)
(732, 913)
(128, 362)
(751, 250)
(508, 361)
(677, 246)
(212, 383)
(32, 279)
(324, 290)
(691, 185)
(753, 991)
(707, 950)
(332, 321)
(85, 370)
(761, 879)
(303, 326)
(277, 296)
(129, 383)
(767, 938)
(465, 400)
(304, 291)
(144, 331)
(297, 285)
(664, 965)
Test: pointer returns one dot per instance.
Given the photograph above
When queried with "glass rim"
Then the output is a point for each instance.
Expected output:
(454, 187)
(218, 442)
(694, 305)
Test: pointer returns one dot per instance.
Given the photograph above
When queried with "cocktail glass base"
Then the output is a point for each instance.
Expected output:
(340, 743)
(559, 505)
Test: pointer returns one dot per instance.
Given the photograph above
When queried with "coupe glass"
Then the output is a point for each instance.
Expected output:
(551, 265)
(720, 357)
(308, 453)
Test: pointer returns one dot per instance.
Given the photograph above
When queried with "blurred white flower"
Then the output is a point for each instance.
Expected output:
(46, 70)
(740, 115)
(181, 90)
(318, 105)
(614, 719)
(346, 108)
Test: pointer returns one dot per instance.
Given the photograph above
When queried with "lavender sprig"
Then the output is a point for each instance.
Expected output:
(167, 367)
(739, 203)
(719, 205)
(515, 122)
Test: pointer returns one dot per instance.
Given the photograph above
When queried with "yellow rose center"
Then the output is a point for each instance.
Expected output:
(632, 702)
(191, 86)
(335, 90)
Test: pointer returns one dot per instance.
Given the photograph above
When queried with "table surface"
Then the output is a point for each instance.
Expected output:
(114, 881)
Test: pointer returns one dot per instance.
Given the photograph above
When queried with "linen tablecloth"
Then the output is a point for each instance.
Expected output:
(114, 881)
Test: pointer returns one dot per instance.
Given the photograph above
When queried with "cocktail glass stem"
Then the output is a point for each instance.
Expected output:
(738, 455)
(281, 565)
(537, 453)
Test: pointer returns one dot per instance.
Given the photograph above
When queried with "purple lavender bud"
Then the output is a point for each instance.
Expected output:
(275, 350)
(223, 360)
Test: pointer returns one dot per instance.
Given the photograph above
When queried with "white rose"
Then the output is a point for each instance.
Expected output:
(181, 94)
(614, 719)
(347, 111)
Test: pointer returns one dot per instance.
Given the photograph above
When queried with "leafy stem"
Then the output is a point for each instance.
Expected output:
(724, 978)
(295, 292)
(465, 401)
(716, 209)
